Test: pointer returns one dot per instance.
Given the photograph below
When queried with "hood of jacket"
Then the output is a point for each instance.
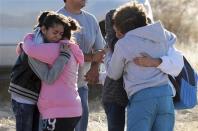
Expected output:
(154, 32)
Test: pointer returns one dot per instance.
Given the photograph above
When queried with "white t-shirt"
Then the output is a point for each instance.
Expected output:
(21, 99)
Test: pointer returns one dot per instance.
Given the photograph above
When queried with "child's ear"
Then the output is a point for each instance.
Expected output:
(43, 29)
(119, 34)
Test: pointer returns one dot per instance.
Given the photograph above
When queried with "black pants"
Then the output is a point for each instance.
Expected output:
(115, 116)
(60, 124)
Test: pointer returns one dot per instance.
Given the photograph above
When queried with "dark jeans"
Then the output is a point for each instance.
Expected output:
(60, 124)
(27, 116)
(115, 116)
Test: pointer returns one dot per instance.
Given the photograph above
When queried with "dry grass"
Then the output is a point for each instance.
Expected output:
(190, 51)
(179, 16)
(97, 118)
(186, 120)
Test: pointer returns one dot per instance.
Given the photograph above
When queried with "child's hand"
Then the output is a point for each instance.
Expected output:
(19, 48)
(64, 47)
(147, 61)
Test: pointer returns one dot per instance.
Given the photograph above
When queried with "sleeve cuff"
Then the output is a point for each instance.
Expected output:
(162, 65)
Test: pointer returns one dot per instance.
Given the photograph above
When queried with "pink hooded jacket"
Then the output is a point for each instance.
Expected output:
(60, 99)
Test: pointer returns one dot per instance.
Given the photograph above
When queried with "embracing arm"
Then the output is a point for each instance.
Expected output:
(46, 73)
(171, 64)
(46, 53)
(114, 63)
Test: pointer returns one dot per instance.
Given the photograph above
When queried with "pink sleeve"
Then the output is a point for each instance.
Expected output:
(46, 53)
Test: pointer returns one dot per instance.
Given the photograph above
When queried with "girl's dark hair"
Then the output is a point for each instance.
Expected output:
(130, 16)
(110, 33)
(71, 25)
(41, 18)
(50, 18)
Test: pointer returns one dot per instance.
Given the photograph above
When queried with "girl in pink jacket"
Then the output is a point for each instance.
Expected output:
(59, 102)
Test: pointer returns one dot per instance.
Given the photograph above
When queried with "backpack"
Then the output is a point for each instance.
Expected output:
(185, 85)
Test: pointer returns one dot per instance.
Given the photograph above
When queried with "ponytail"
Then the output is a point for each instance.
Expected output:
(41, 18)
(70, 27)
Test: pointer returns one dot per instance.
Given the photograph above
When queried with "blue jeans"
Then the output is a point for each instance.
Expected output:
(115, 116)
(83, 123)
(27, 116)
(151, 110)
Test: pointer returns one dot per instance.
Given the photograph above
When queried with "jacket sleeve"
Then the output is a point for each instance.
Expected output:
(46, 73)
(172, 63)
(114, 63)
(46, 53)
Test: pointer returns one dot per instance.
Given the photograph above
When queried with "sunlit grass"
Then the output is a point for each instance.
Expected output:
(190, 51)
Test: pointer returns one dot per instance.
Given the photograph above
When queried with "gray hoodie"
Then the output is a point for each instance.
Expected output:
(152, 39)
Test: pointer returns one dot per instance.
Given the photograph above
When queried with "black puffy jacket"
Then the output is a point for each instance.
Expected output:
(23, 81)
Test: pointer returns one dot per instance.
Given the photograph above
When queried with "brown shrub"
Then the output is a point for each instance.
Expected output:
(178, 16)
